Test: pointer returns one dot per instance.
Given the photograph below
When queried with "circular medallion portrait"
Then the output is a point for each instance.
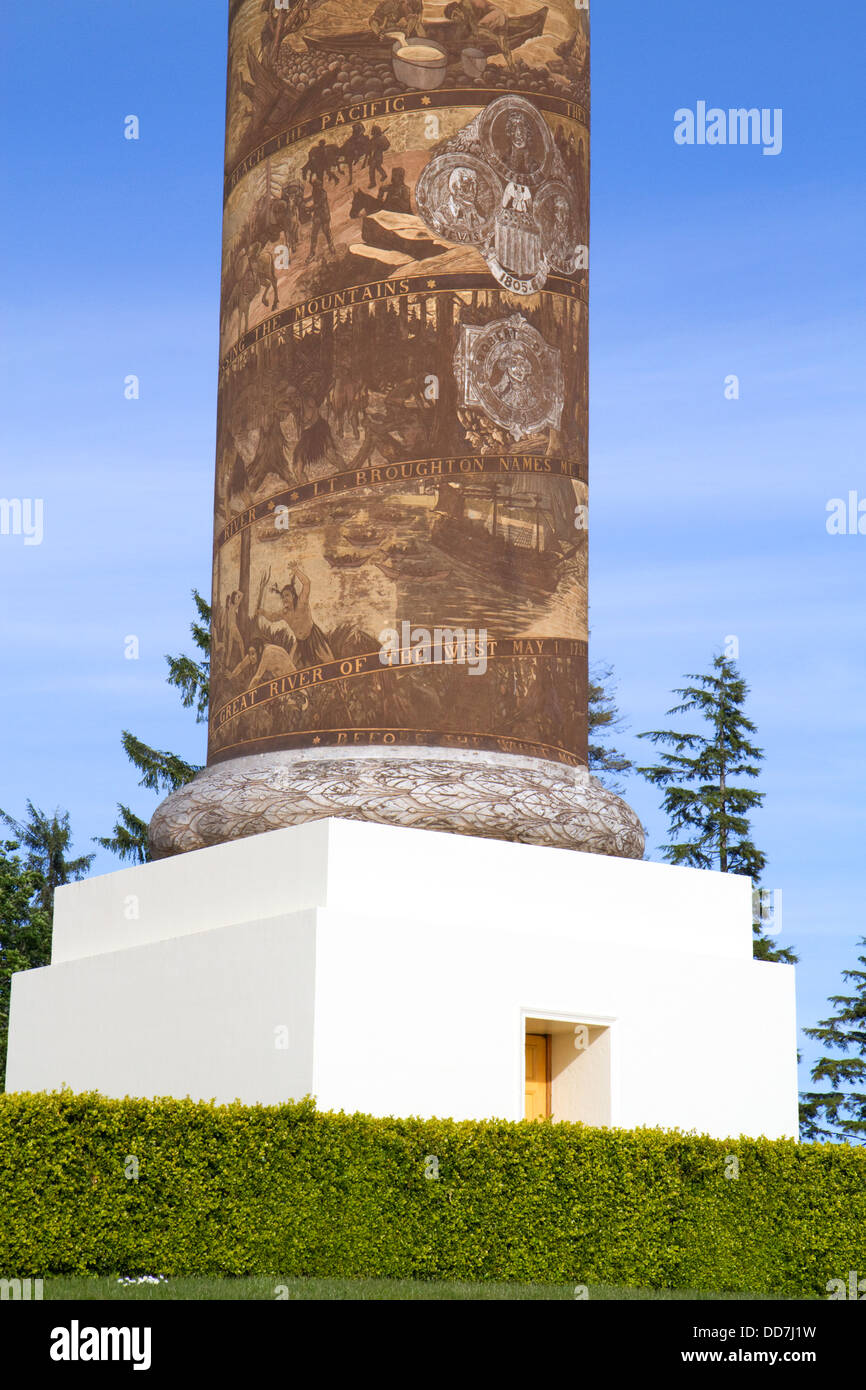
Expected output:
(514, 379)
(517, 141)
(458, 197)
(556, 216)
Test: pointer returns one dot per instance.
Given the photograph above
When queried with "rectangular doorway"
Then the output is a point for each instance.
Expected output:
(568, 1068)
(537, 1076)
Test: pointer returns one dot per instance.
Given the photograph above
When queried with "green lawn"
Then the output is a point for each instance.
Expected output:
(101, 1289)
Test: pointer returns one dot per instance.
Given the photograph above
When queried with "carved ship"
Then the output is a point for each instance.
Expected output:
(346, 562)
(423, 572)
(361, 535)
(500, 547)
(453, 35)
(400, 549)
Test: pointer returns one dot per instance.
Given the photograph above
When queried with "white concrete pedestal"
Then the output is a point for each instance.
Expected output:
(396, 971)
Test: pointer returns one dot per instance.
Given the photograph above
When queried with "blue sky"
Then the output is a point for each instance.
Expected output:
(708, 515)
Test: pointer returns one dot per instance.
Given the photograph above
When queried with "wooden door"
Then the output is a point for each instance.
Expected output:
(537, 1076)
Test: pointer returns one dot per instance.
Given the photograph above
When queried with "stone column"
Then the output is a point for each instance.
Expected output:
(400, 545)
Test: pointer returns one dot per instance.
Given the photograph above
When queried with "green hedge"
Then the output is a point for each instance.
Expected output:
(288, 1191)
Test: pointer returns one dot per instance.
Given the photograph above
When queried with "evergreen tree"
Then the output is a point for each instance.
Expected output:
(47, 840)
(164, 771)
(27, 897)
(707, 805)
(603, 719)
(841, 1112)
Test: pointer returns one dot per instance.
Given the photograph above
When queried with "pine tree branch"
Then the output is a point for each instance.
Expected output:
(129, 841)
(161, 771)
